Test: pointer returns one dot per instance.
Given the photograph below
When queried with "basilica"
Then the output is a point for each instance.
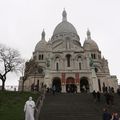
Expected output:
(66, 64)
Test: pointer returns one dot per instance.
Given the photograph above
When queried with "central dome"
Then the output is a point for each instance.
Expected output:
(64, 26)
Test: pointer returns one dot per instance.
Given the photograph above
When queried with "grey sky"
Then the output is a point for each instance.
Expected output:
(22, 21)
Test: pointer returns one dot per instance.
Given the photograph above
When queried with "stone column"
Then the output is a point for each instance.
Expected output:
(94, 80)
(77, 79)
(47, 79)
(78, 88)
(63, 83)
(63, 88)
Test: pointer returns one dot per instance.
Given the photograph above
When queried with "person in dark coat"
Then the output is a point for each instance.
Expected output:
(106, 114)
(98, 95)
(94, 95)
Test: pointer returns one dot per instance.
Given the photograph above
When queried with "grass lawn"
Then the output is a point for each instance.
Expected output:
(12, 104)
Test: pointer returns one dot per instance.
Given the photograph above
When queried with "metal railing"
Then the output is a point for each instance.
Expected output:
(39, 103)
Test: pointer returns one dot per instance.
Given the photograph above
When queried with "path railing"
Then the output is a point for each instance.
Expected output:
(39, 103)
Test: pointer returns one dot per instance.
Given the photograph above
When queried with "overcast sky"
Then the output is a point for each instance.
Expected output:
(22, 21)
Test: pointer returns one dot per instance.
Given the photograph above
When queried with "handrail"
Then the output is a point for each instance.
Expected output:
(39, 103)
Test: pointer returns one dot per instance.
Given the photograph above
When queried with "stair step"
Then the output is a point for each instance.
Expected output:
(74, 107)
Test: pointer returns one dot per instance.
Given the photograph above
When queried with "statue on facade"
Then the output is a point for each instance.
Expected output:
(47, 63)
(91, 63)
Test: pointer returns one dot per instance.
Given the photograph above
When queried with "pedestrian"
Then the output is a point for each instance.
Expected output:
(115, 116)
(29, 109)
(53, 89)
(98, 96)
(106, 114)
(94, 95)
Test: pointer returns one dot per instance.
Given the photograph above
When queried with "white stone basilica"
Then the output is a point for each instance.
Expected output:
(64, 63)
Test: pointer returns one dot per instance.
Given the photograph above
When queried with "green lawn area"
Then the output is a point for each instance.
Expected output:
(12, 104)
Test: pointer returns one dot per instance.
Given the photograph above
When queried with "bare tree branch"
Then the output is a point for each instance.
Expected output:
(10, 61)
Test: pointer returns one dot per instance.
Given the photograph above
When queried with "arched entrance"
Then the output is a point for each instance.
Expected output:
(84, 85)
(57, 83)
(70, 85)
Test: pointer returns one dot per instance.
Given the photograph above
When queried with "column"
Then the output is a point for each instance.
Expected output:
(94, 80)
(63, 83)
(77, 79)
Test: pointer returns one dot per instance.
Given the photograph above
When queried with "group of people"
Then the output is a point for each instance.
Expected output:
(34, 87)
(96, 96)
(109, 97)
(108, 116)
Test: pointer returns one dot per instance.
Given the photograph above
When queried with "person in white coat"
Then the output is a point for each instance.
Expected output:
(29, 109)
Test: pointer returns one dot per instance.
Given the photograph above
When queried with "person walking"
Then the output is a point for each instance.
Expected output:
(106, 114)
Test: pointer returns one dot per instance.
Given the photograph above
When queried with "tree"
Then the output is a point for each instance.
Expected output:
(10, 61)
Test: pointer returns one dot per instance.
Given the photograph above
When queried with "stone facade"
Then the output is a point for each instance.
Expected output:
(64, 63)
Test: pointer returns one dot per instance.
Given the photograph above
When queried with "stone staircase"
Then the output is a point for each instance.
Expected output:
(75, 107)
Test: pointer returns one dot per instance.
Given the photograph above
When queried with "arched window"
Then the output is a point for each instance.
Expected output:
(68, 60)
(79, 66)
(57, 67)
(94, 56)
(99, 84)
(96, 69)
(42, 56)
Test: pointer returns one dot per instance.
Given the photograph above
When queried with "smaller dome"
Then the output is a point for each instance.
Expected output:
(90, 44)
(41, 45)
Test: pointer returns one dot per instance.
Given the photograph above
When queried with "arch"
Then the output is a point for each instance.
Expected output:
(79, 57)
(57, 83)
(84, 84)
(97, 68)
(70, 85)
(57, 56)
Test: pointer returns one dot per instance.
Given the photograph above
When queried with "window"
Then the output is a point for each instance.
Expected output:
(79, 66)
(41, 57)
(68, 60)
(96, 70)
(57, 67)
(99, 84)
(93, 56)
